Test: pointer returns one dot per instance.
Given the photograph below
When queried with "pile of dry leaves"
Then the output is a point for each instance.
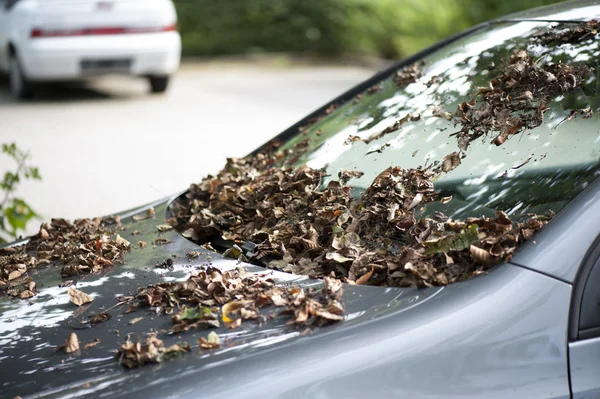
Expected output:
(238, 296)
(212, 295)
(151, 350)
(567, 33)
(84, 246)
(299, 227)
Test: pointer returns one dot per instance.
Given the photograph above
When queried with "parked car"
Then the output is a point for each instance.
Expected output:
(454, 194)
(72, 40)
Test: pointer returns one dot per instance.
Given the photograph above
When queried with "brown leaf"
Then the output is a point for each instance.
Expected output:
(137, 319)
(99, 318)
(71, 345)
(211, 342)
(451, 162)
(95, 342)
(78, 297)
(481, 256)
(365, 277)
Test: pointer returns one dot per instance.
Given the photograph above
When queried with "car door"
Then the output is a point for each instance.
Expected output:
(584, 345)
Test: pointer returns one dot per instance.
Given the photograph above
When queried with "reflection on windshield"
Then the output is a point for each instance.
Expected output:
(535, 171)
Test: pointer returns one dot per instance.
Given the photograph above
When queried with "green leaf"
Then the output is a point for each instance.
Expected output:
(197, 313)
(454, 242)
(18, 215)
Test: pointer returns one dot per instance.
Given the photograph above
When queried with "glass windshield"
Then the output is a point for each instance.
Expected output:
(407, 120)
(429, 177)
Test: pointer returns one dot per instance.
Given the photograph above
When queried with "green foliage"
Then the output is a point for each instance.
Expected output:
(383, 28)
(15, 213)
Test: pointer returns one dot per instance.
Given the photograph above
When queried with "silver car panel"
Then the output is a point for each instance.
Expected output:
(560, 248)
(584, 359)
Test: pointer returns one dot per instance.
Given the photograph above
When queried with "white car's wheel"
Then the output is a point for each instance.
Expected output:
(19, 86)
(158, 84)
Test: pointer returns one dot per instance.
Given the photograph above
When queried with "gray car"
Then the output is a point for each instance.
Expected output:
(524, 324)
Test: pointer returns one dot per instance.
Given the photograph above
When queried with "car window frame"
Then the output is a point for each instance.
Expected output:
(589, 264)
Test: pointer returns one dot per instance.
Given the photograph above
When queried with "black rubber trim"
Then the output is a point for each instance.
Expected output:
(591, 258)
(589, 333)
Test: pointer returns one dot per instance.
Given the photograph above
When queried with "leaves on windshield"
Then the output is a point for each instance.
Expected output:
(84, 246)
(300, 227)
(408, 74)
(568, 33)
(517, 98)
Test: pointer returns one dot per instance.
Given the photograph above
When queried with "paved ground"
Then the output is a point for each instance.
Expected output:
(108, 147)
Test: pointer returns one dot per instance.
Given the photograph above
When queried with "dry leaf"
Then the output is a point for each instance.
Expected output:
(71, 345)
(92, 344)
(365, 277)
(211, 342)
(78, 297)
(137, 319)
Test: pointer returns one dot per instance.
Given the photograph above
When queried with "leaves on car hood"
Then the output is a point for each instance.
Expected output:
(81, 247)
(147, 351)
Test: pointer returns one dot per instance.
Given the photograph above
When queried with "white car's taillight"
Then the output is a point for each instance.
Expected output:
(41, 33)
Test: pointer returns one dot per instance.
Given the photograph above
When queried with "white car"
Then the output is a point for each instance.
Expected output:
(70, 40)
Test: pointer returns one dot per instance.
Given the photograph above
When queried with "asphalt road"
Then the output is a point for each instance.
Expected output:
(110, 146)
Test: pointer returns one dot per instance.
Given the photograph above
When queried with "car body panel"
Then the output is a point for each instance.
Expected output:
(560, 248)
(456, 340)
(585, 368)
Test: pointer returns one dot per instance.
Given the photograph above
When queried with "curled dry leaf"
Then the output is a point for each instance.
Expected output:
(71, 345)
(164, 227)
(78, 297)
(365, 277)
(99, 318)
(482, 256)
(89, 345)
(162, 241)
(210, 342)
(137, 319)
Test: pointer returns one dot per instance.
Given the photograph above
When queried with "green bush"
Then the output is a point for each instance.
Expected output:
(382, 28)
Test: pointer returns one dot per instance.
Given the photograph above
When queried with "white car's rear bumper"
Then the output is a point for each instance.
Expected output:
(63, 58)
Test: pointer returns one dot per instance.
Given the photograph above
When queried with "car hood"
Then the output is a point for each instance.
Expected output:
(400, 340)
(31, 329)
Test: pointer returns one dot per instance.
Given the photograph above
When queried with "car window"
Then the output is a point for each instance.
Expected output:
(537, 170)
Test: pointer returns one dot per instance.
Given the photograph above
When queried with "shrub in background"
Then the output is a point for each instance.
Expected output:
(329, 28)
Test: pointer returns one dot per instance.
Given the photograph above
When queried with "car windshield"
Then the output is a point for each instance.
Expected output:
(430, 176)
(406, 120)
